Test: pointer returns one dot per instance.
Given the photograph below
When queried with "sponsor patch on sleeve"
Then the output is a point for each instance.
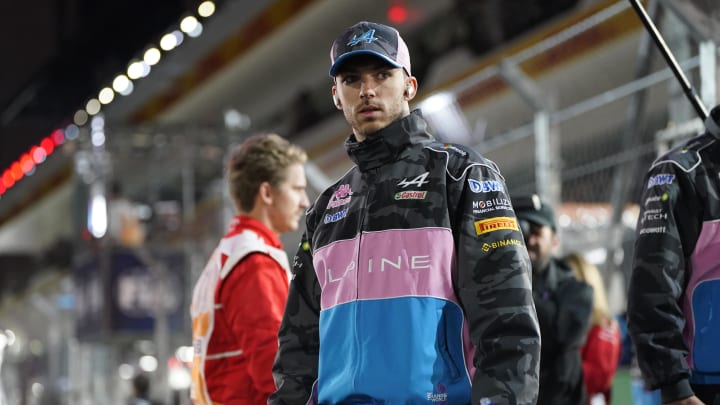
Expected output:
(661, 180)
(486, 247)
(495, 224)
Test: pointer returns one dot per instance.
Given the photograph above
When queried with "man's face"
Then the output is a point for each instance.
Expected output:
(541, 242)
(372, 94)
(289, 200)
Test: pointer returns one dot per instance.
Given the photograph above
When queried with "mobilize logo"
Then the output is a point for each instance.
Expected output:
(381, 264)
(495, 224)
(417, 181)
(495, 202)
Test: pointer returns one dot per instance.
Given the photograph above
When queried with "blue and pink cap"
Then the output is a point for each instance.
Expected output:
(368, 38)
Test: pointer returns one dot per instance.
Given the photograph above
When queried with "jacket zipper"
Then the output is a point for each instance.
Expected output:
(363, 214)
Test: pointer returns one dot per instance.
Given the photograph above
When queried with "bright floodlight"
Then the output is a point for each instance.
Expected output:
(206, 9)
(152, 56)
(121, 83)
(126, 371)
(98, 138)
(188, 24)
(80, 118)
(97, 215)
(72, 131)
(135, 70)
(168, 42)
(197, 31)
(93, 106)
(106, 95)
(184, 354)
(179, 37)
(148, 363)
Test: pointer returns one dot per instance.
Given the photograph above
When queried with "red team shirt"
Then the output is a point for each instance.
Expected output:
(600, 358)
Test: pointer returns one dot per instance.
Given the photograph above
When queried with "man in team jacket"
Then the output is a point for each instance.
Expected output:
(412, 285)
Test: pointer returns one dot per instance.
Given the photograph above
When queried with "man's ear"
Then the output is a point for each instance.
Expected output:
(336, 100)
(411, 87)
(555, 241)
(264, 194)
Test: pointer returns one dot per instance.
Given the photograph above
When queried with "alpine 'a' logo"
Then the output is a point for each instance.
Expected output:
(367, 36)
(417, 181)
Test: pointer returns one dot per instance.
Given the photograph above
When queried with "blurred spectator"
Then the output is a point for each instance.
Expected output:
(141, 391)
(124, 225)
(601, 352)
(239, 299)
(563, 305)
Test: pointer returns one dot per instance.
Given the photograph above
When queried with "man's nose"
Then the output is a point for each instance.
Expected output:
(305, 201)
(367, 88)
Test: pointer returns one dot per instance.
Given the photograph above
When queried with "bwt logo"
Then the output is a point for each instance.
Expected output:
(661, 179)
(484, 186)
(336, 216)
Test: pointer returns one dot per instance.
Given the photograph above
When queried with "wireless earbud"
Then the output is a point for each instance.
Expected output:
(336, 101)
(409, 90)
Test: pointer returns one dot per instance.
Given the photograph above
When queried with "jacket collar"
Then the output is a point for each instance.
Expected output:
(240, 223)
(386, 145)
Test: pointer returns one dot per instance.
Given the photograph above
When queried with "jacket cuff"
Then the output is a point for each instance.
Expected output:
(677, 391)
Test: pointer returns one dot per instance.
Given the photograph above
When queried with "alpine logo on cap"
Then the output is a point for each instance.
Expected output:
(367, 36)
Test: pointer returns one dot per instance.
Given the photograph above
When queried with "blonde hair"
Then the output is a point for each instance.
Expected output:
(261, 158)
(589, 273)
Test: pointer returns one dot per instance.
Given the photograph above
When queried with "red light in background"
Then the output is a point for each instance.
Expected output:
(38, 154)
(48, 145)
(8, 179)
(16, 171)
(2, 188)
(58, 136)
(397, 14)
(27, 163)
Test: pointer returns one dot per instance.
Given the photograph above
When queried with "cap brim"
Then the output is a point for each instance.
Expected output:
(334, 68)
(535, 218)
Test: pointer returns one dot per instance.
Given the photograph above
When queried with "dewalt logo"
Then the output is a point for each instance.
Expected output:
(495, 224)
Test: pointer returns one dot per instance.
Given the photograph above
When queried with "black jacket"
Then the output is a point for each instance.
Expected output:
(412, 285)
(674, 293)
(564, 306)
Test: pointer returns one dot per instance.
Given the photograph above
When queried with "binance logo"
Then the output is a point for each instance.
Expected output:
(486, 247)
(495, 224)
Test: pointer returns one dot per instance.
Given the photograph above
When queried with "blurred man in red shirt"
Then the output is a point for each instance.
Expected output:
(239, 299)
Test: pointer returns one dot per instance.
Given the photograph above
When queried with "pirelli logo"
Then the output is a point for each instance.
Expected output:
(495, 224)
